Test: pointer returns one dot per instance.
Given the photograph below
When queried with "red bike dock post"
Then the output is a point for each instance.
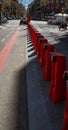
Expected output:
(57, 83)
(38, 43)
(28, 19)
(65, 121)
(41, 51)
(37, 35)
(47, 61)
(41, 41)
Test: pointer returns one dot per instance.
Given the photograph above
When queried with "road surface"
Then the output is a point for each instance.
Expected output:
(13, 98)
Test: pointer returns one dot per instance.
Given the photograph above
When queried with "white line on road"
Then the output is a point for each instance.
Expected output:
(7, 36)
(3, 40)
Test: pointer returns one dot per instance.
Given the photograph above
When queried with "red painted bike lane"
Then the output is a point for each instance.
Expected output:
(6, 50)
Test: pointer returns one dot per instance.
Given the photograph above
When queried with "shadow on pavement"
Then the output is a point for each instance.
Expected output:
(22, 112)
(35, 109)
(31, 49)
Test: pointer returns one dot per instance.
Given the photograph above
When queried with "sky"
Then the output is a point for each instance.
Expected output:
(25, 2)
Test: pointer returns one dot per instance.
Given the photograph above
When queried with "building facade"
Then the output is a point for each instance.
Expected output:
(42, 8)
(12, 8)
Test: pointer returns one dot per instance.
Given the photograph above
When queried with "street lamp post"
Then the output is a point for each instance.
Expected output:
(0, 11)
(62, 11)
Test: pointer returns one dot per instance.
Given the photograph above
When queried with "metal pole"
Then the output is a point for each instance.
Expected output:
(0, 11)
(0, 17)
(62, 17)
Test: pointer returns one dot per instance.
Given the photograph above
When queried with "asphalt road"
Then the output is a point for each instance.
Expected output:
(51, 32)
(7, 30)
(13, 93)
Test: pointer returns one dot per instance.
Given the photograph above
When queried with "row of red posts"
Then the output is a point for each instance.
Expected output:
(54, 69)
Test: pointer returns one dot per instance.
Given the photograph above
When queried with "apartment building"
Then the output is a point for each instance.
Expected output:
(41, 8)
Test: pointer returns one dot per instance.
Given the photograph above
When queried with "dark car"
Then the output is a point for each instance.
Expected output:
(9, 18)
(3, 19)
(63, 25)
(23, 20)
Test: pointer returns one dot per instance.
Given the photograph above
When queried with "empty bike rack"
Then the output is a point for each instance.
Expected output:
(48, 48)
(65, 121)
(57, 83)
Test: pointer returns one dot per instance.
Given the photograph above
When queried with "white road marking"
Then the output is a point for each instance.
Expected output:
(7, 36)
(3, 40)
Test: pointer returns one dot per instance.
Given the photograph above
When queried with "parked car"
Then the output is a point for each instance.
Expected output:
(3, 19)
(9, 18)
(23, 20)
(63, 25)
(52, 21)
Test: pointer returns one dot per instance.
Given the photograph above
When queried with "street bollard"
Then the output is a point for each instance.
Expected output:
(28, 19)
(32, 34)
(37, 44)
(65, 121)
(41, 51)
(36, 35)
(47, 61)
(57, 83)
